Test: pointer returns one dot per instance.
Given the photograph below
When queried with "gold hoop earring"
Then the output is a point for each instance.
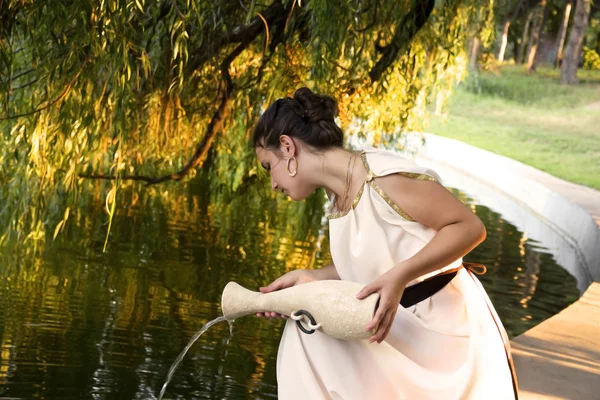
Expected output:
(287, 167)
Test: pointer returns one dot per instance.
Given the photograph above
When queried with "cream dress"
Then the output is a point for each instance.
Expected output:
(450, 346)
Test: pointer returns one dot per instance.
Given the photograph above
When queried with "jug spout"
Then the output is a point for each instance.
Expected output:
(238, 301)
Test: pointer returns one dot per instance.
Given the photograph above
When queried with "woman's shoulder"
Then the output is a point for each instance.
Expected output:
(382, 162)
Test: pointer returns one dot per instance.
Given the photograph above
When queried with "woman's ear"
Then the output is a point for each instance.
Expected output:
(287, 146)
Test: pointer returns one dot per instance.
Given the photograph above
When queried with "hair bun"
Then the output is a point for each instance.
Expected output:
(316, 107)
(307, 116)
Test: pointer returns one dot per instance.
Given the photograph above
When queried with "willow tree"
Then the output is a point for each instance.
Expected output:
(134, 90)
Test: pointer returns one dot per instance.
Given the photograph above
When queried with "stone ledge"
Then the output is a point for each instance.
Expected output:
(560, 358)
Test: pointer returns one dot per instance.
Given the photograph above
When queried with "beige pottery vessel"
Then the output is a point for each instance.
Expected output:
(332, 304)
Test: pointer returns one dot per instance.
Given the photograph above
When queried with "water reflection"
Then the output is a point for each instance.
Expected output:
(76, 323)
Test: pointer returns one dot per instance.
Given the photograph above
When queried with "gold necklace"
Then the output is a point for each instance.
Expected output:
(351, 162)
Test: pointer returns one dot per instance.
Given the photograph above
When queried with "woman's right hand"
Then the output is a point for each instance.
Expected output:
(292, 278)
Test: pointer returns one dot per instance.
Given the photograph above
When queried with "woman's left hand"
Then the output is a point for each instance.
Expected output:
(390, 287)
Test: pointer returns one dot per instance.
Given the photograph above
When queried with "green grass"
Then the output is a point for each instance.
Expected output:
(532, 119)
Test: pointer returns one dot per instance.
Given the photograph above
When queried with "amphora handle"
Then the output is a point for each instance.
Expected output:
(312, 323)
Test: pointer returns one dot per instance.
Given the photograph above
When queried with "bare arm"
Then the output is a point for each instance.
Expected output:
(459, 230)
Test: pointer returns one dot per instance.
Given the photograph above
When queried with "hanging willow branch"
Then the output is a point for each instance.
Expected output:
(405, 31)
(52, 102)
(216, 124)
(214, 127)
(239, 34)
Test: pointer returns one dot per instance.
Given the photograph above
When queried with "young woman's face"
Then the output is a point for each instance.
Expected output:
(281, 181)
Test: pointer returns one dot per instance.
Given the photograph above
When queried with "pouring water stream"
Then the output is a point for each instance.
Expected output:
(189, 345)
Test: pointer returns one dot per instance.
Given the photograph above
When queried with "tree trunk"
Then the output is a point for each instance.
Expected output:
(562, 35)
(568, 70)
(521, 56)
(532, 29)
(504, 41)
(535, 36)
(474, 52)
(507, 23)
(536, 59)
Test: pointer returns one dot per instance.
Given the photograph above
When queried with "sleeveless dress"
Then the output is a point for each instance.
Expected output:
(449, 346)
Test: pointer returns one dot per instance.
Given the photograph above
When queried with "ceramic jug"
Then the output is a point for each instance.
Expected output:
(329, 306)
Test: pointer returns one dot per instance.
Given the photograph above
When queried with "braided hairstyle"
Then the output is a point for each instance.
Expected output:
(307, 116)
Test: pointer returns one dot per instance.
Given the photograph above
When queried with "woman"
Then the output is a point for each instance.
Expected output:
(397, 230)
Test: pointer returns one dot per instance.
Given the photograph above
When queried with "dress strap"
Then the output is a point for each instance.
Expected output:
(386, 163)
(370, 179)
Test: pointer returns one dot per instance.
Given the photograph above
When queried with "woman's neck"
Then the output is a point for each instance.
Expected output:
(332, 168)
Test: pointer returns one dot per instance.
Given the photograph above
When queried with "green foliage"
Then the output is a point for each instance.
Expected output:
(545, 91)
(591, 59)
(532, 119)
(129, 88)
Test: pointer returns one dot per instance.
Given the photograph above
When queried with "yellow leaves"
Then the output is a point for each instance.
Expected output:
(110, 200)
(68, 145)
(175, 50)
(266, 32)
(146, 66)
(70, 177)
(61, 224)
(17, 132)
(110, 206)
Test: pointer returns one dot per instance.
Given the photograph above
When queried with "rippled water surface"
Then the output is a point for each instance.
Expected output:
(78, 323)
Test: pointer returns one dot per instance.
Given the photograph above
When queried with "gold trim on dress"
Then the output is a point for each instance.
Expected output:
(419, 177)
(370, 179)
(358, 196)
(390, 202)
(335, 215)
(363, 157)
(354, 204)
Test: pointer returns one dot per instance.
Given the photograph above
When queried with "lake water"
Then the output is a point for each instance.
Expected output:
(78, 323)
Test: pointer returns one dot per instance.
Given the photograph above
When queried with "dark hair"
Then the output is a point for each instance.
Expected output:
(307, 116)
